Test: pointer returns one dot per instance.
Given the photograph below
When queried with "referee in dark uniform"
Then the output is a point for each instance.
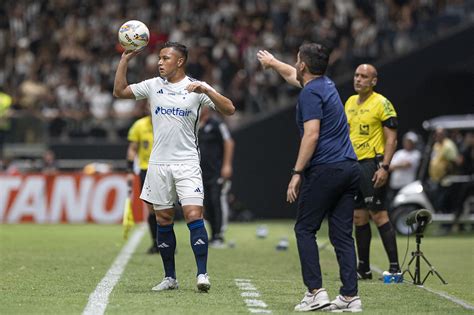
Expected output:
(325, 176)
(217, 150)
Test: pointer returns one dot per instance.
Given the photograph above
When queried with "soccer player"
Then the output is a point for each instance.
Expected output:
(373, 130)
(325, 177)
(140, 137)
(174, 173)
(217, 152)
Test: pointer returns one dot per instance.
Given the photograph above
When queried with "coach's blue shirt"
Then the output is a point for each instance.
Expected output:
(319, 99)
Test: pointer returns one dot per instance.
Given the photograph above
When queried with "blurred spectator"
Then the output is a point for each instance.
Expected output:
(97, 168)
(404, 164)
(48, 165)
(443, 156)
(100, 108)
(442, 163)
(9, 167)
(58, 51)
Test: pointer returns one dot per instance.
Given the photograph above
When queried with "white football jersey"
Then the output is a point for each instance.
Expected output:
(175, 117)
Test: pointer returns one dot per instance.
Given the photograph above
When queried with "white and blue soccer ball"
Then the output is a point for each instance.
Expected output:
(133, 35)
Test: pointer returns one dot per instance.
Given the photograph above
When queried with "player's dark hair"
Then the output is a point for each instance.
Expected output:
(315, 56)
(183, 50)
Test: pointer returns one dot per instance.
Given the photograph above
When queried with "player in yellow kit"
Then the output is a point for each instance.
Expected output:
(140, 137)
(373, 132)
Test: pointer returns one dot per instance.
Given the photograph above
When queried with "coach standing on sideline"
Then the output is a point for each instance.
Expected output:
(373, 131)
(327, 171)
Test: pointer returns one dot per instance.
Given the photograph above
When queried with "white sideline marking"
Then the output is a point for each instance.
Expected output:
(250, 294)
(99, 299)
(259, 310)
(253, 305)
(440, 293)
(246, 286)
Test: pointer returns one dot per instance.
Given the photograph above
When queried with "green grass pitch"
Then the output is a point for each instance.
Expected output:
(52, 269)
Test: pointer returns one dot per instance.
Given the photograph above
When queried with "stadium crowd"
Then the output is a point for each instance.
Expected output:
(57, 56)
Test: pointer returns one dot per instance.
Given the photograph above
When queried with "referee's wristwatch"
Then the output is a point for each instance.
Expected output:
(295, 172)
(386, 167)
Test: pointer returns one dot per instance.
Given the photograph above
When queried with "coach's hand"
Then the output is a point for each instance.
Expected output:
(380, 178)
(265, 58)
(293, 188)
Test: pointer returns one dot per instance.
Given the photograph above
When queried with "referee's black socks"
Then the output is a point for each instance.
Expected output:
(153, 228)
(363, 236)
(388, 235)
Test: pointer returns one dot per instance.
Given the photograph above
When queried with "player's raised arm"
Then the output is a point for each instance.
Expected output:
(223, 104)
(288, 72)
(121, 88)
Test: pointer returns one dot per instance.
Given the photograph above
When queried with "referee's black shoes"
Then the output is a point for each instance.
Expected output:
(364, 275)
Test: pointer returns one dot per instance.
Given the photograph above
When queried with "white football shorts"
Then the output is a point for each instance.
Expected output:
(167, 183)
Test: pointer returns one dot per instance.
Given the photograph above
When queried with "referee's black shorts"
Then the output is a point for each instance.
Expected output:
(142, 177)
(368, 197)
(142, 181)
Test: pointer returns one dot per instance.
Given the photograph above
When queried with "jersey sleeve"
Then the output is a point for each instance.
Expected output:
(386, 110)
(310, 104)
(133, 133)
(204, 99)
(142, 89)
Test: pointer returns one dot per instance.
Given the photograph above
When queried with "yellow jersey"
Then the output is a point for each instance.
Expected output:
(365, 124)
(141, 132)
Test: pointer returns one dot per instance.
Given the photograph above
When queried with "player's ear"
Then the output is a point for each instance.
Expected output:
(374, 82)
(302, 65)
(180, 62)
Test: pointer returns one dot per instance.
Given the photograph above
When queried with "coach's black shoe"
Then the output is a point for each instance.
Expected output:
(364, 275)
(153, 250)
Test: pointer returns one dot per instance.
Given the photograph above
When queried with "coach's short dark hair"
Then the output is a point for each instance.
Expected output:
(178, 47)
(315, 56)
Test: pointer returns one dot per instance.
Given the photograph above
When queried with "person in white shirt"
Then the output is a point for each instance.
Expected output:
(404, 164)
(174, 173)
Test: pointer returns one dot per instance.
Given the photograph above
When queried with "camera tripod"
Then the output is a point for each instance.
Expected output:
(416, 277)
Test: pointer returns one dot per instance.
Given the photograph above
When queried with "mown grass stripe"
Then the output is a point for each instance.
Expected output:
(99, 299)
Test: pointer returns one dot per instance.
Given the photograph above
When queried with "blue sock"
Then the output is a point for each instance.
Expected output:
(199, 244)
(166, 240)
